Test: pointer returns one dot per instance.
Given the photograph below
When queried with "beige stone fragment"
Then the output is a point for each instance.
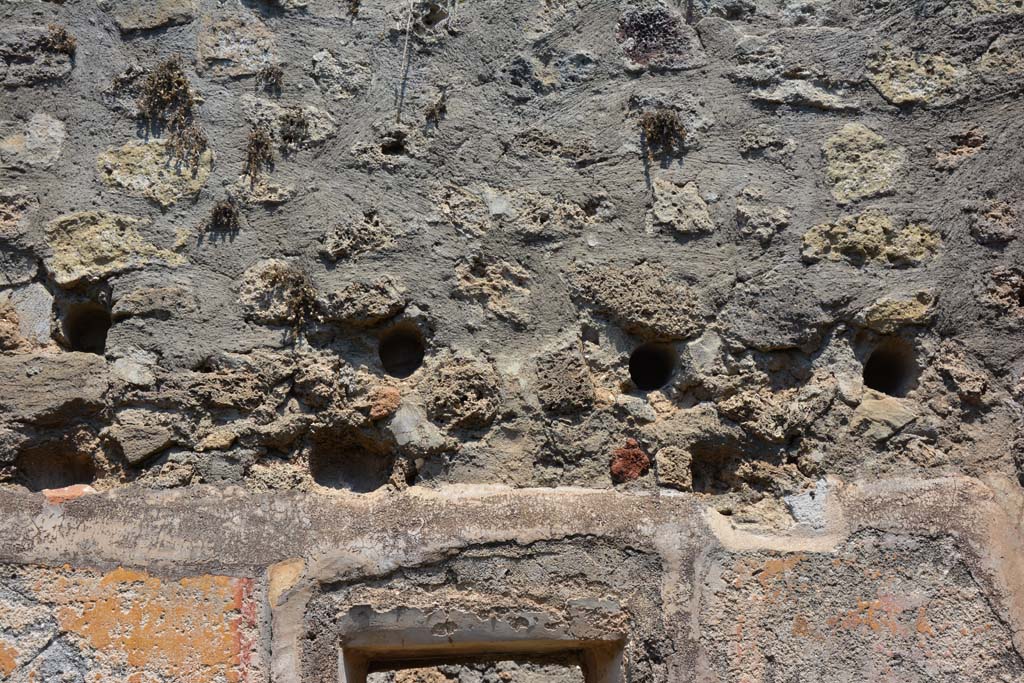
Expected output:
(672, 465)
(759, 219)
(679, 208)
(15, 205)
(421, 676)
(881, 417)
(237, 46)
(91, 245)
(871, 236)
(275, 292)
(339, 80)
(146, 169)
(861, 163)
(140, 15)
(11, 338)
(36, 144)
(45, 386)
(799, 93)
(138, 442)
(502, 286)
(1004, 57)
(904, 77)
(262, 191)
(218, 440)
(889, 314)
(999, 6)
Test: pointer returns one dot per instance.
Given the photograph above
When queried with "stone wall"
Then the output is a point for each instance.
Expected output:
(639, 341)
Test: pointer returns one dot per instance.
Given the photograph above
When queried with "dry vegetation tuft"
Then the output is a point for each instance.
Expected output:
(224, 217)
(59, 40)
(259, 152)
(663, 132)
(168, 104)
(271, 79)
(294, 126)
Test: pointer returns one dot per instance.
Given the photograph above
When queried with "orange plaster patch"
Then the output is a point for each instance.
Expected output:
(775, 568)
(881, 614)
(187, 631)
(800, 626)
(8, 660)
(922, 625)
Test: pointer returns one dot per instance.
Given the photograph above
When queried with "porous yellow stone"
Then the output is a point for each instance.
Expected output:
(891, 313)
(904, 77)
(147, 169)
(871, 236)
(91, 245)
(861, 163)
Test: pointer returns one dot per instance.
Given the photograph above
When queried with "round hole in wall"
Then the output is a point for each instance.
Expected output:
(891, 368)
(401, 350)
(651, 366)
(86, 326)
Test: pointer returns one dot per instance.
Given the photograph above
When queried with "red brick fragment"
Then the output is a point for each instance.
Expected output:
(629, 462)
(384, 402)
(58, 496)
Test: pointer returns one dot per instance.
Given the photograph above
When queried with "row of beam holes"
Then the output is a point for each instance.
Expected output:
(402, 349)
(890, 368)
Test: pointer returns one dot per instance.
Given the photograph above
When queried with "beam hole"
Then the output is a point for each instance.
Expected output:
(891, 368)
(651, 366)
(86, 326)
(401, 350)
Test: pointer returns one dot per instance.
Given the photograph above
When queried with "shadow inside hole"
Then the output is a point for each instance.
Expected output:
(54, 466)
(405, 652)
(434, 15)
(86, 326)
(393, 144)
(344, 461)
(401, 351)
(713, 468)
(509, 671)
(651, 366)
(891, 368)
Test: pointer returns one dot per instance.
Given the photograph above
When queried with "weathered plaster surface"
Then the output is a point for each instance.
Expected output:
(901, 574)
(676, 340)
